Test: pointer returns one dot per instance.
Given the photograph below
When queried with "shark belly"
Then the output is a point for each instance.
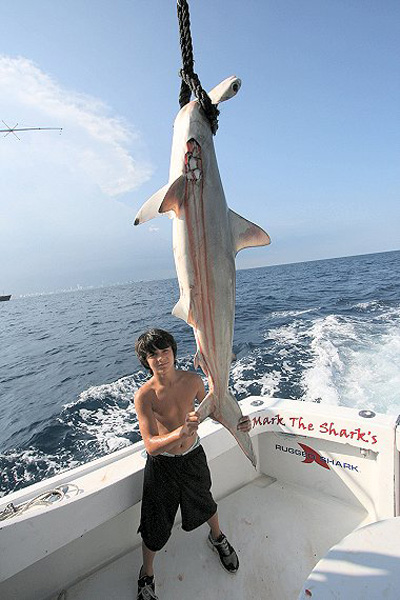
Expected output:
(205, 264)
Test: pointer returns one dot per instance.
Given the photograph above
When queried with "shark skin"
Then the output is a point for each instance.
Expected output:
(207, 235)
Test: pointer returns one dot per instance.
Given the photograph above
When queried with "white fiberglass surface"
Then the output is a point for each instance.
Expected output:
(280, 532)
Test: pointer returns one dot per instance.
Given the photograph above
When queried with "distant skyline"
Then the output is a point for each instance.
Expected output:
(78, 287)
(309, 149)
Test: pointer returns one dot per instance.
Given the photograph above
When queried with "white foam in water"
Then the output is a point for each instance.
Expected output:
(125, 387)
(291, 313)
(373, 376)
(24, 468)
(110, 422)
(355, 362)
(322, 378)
(285, 335)
(102, 419)
(245, 375)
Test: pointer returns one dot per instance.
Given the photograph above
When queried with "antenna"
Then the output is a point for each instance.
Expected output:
(16, 128)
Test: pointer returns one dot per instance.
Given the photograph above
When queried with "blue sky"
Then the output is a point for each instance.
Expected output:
(309, 149)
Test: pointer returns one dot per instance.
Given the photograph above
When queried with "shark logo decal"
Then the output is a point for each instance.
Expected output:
(310, 456)
(313, 456)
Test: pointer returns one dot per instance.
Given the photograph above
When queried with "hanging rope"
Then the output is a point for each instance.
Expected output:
(190, 80)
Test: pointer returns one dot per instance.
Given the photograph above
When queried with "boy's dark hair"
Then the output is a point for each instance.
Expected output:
(152, 340)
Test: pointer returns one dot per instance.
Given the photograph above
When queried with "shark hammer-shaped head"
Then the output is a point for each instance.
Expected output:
(225, 90)
(192, 122)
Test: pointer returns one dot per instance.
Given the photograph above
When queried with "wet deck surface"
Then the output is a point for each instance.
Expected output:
(279, 532)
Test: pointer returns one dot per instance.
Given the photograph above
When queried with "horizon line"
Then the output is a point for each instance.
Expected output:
(80, 288)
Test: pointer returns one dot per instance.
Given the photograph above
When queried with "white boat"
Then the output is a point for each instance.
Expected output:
(318, 519)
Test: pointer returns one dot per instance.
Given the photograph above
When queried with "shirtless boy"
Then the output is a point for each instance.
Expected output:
(176, 470)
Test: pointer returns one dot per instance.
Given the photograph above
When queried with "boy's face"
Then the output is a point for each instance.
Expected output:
(161, 360)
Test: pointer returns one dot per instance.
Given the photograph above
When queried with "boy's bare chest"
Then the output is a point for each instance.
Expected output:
(170, 409)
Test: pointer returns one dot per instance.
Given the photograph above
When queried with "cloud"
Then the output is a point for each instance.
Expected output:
(63, 216)
(153, 229)
(94, 143)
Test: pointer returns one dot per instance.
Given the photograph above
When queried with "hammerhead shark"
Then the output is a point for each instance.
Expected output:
(207, 235)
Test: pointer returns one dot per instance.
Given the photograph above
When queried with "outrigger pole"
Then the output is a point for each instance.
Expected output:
(16, 128)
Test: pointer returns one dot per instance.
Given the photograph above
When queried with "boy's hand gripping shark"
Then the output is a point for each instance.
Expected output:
(206, 238)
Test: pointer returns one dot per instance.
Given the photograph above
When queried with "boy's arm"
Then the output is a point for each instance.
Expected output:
(153, 442)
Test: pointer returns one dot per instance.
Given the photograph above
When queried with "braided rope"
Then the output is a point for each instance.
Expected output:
(190, 80)
(185, 40)
(45, 499)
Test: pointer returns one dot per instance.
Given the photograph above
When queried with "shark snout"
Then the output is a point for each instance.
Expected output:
(225, 90)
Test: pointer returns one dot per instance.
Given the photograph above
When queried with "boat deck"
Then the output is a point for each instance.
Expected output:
(279, 532)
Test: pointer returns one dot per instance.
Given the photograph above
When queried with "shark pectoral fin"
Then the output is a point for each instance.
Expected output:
(150, 208)
(246, 234)
(181, 310)
(169, 197)
(174, 197)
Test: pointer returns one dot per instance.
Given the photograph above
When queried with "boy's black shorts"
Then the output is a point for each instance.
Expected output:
(170, 481)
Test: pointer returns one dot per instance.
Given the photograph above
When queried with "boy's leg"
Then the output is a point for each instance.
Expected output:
(148, 560)
(218, 542)
(214, 526)
(146, 583)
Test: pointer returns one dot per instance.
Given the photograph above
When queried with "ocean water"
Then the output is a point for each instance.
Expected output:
(325, 331)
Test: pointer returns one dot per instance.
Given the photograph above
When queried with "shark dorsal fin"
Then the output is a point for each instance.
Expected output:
(246, 234)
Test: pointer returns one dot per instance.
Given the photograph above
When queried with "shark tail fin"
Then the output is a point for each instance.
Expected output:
(246, 234)
(228, 414)
(169, 197)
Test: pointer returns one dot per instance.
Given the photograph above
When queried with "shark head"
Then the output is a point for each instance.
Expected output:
(225, 90)
(190, 123)
(192, 118)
